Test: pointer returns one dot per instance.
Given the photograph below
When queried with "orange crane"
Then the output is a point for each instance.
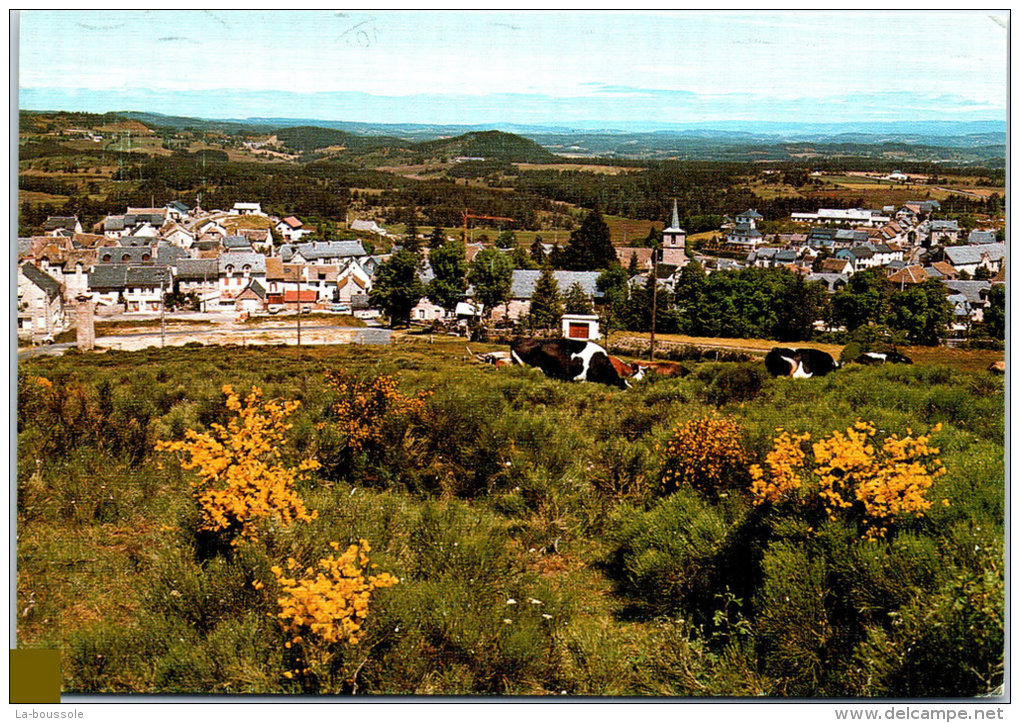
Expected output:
(467, 215)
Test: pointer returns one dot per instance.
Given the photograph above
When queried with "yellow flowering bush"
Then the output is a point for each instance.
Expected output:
(851, 470)
(706, 454)
(784, 462)
(241, 478)
(327, 606)
(366, 408)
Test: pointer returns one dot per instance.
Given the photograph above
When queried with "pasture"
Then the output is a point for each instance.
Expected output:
(546, 537)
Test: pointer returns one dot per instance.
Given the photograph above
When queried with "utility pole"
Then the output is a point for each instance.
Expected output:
(162, 309)
(655, 297)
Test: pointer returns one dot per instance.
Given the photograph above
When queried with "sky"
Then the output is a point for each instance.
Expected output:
(535, 67)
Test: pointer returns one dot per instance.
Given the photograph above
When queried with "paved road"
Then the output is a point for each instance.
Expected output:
(368, 335)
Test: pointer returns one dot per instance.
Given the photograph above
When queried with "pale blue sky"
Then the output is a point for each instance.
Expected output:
(459, 67)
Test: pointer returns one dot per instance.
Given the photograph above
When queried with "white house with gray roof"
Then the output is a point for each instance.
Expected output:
(971, 257)
(322, 252)
(522, 288)
(236, 269)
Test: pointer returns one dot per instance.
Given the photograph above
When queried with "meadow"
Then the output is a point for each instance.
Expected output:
(444, 527)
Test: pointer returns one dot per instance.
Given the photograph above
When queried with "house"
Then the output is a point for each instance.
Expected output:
(942, 233)
(861, 257)
(257, 237)
(291, 229)
(176, 211)
(744, 234)
(322, 252)
(124, 255)
(839, 266)
(236, 269)
(833, 282)
(970, 258)
(54, 225)
(909, 276)
(251, 299)
(425, 311)
(210, 227)
(978, 237)
(137, 222)
(751, 217)
(369, 226)
(522, 287)
(235, 243)
(178, 235)
(942, 270)
(842, 217)
(139, 288)
(40, 303)
(974, 293)
(305, 298)
(352, 280)
(246, 209)
(198, 276)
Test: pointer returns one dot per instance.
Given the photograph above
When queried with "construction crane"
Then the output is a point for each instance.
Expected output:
(467, 215)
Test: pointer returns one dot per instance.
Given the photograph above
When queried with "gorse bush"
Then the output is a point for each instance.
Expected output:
(707, 454)
(242, 482)
(850, 474)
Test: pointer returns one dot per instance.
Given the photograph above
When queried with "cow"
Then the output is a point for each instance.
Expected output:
(627, 371)
(799, 363)
(497, 359)
(568, 360)
(873, 358)
(998, 367)
(665, 369)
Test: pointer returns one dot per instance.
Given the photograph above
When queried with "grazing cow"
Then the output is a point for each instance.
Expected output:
(998, 367)
(799, 363)
(873, 358)
(665, 369)
(495, 358)
(627, 371)
(568, 360)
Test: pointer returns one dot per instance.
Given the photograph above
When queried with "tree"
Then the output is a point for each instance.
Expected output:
(632, 267)
(437, 239)
(802, 304)
(922, 312)
(520, 259)
(995, 314)
(410, 241)
(691, 297)
(865, 299)
(538, 252)
(397, 286)
(590, 247)
(506, 240)
(490, 273)
(612, 283)
(576, 301)
(546, 307)
(450, 268)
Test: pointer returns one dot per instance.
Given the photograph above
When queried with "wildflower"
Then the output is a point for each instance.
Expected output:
(511, 601)
(706, 454)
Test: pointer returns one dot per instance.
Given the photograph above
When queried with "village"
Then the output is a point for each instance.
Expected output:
(244, 263)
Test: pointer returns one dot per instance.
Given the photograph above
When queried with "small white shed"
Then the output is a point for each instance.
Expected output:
(581, 326)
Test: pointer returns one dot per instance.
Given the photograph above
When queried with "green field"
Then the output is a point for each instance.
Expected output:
(539, 548)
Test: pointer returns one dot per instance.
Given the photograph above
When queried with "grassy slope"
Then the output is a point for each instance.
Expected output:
(100, 533)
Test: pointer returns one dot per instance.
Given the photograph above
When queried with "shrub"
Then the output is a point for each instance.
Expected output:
(241, 479)
(728, 382)
(707, 454)
(848, 473)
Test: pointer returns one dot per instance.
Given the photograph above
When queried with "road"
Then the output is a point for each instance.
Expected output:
(311, 334)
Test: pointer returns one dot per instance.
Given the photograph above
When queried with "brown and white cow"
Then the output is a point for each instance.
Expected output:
(568, 360)
(665, 369)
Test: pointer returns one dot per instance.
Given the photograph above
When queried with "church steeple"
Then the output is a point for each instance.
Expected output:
(674, 241)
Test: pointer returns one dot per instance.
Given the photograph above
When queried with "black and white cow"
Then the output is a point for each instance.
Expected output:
(873, 358)
(799, 363)
(568, 359)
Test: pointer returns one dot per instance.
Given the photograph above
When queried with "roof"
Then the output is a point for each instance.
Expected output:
(290, 296)
(255, 288)
(644, 255)
(41, 279)
(750, 213)
(240, 259)
(942, 225)
(981, 236)
(107, 277)
(136, 241)
(113, 223)
(167, 254)
(909, 275)
(971, 289)
(674, 224)
(234, 243)
(323, 250)
(945, 269)
(523, 281)
(124, 254)
(274, 268)
(829, 279)
(834, 265)
(972, 254)
(147, 276)
(292, 222)
(177, 206)
(55, 222)
(196, 269)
